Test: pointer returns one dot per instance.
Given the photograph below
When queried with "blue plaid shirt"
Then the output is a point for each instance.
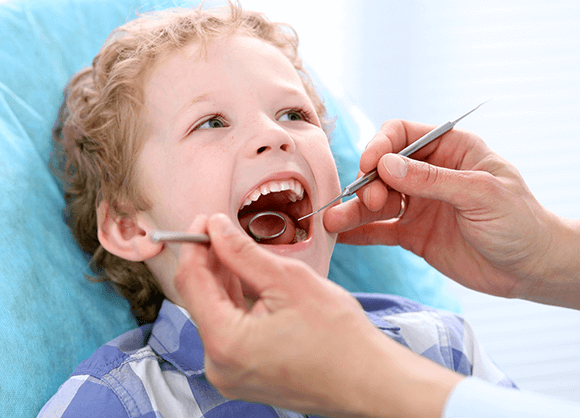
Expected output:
(157, 370)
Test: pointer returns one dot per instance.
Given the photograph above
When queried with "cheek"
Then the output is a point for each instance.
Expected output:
(327, 168)
(181, 184)
(207, 178)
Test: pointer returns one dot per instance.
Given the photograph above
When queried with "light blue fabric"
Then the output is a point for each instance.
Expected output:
(476, 398)
(51, 317)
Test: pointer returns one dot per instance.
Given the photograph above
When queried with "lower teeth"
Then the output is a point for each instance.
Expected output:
(300, 235)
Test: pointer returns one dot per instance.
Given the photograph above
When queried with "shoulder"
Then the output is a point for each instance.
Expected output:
(388, 304)
(127, 347)
(84, 396)
(439, 335)
(104, 384)
(422, 328)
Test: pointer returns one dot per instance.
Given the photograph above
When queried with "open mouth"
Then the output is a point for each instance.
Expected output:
(285, 197)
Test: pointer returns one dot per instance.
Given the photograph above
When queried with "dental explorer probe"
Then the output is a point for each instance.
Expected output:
(414, 147)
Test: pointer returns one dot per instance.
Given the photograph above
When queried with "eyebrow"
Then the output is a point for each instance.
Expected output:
(197, 99)
(293, 91)
(288, 90)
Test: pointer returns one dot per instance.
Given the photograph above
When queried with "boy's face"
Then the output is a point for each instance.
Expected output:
(226, 125)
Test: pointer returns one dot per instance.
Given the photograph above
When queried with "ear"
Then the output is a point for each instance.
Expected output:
(126, 237)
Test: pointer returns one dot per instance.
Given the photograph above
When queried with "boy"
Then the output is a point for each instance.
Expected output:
(193, 112)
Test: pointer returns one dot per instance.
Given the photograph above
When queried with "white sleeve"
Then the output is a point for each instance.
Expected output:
(475, 398)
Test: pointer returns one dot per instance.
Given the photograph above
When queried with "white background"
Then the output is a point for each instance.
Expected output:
(431, 61)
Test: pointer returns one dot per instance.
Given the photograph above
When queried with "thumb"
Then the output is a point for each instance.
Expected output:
(255, 266)
(421, 179)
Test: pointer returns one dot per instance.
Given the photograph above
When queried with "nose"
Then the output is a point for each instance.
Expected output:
(268, 136)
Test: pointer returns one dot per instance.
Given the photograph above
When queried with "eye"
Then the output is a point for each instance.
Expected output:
(214, 122)
(293, 115)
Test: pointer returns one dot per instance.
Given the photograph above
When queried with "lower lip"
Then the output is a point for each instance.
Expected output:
(290, 248)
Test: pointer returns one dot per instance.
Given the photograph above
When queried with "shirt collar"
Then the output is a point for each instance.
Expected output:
(175, 338)
(381, 323)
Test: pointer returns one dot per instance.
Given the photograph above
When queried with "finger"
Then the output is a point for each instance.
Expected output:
(420, 179)
(205, 296)
(374, 195)
(195, 253)
(375, 233)
(231, 284)
(393, 136)
(257, 268)
(354, 213)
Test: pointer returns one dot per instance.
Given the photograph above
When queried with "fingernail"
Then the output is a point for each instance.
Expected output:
(395, 165)
(367, 195)
(226, 227)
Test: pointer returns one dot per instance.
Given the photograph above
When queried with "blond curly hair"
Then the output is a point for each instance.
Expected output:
(97, 135)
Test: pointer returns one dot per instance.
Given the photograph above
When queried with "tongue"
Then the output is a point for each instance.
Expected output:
(267, 226)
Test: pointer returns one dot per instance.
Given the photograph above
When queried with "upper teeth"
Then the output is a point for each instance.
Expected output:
(294, 187)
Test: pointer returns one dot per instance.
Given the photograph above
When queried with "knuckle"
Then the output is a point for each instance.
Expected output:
(221, 353)
(222, 367)
(222, 382)
(393, 129)
(382, 142)
(482, 190)
(228, 392)
(243, 246)
(430, 176)
(393, 125)
(292, 268)
(487, 185)
(288, 269)
(225, 368)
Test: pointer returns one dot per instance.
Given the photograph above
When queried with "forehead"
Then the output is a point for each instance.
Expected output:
(231, 71)
(226, 60)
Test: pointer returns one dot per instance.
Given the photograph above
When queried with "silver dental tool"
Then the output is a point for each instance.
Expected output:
(258, 237)
(172, 236)
(414, 147)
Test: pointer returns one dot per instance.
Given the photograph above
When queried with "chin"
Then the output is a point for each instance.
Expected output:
(315, 251)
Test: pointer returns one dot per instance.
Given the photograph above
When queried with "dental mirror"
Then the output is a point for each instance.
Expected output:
(262, 226)
(267, 225)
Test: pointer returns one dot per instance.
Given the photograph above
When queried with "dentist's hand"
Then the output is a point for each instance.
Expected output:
(305, 344)
(469, 214)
